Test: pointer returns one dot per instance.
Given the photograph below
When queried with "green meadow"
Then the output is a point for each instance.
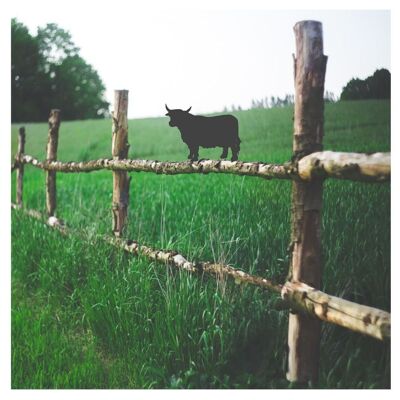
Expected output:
(86, 315)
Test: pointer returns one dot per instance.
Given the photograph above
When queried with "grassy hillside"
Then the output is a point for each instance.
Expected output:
(85, 315)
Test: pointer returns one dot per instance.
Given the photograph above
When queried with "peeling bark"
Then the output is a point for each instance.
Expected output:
(51, 151)
(267, 171)
(326, 164)
(356, 317)
(52, 222)
(120, 148)
(20, 167)
(354, 166)
(310, 64)
(179, 261)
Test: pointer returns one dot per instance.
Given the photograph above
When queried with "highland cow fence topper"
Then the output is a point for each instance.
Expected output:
(308, 169)
(198, 131)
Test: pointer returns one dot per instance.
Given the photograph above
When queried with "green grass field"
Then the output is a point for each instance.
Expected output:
(85, 315)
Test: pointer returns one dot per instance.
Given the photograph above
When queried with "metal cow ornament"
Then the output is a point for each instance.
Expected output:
(199, 131)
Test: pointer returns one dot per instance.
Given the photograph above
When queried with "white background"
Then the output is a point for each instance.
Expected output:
(124, 63)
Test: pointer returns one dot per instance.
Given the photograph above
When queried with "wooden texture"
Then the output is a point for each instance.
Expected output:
(356, 317)
(52, 221)
(262, 170)
(218, 270)
(297, 296)
(51, 152)
(20, 168)
(120, 148)
(355, 166)
(325, 164)
(310, 65)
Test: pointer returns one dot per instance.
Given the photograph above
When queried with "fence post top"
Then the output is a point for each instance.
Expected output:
(54, 117)
(308, 23)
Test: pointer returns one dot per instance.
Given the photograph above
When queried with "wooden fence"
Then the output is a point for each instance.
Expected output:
(307, 169)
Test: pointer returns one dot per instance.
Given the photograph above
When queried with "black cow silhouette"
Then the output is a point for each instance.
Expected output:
(196, 130)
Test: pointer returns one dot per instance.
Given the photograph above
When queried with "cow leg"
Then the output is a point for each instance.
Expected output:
(224, 152)
(191, 152)
(235, 151)
(194, 153)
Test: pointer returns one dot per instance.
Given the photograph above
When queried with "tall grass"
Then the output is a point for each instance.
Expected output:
(85, 315)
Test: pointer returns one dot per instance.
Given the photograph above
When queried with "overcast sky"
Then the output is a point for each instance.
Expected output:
(211, 59)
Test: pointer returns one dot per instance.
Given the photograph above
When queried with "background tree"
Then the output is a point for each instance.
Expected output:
(48, 72)
(24, 68)
(55, 44)
(376, 86)
(379, 84)
(75, 79)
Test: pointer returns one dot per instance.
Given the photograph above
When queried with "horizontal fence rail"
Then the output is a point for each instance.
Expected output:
(297, 296)
(355, 166)
(263, 170)
(356, 317)
(326, 164)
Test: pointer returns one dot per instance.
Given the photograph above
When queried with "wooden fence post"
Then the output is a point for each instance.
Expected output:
(120, 147)
(51, 150)
(309, 65)
(20, 168)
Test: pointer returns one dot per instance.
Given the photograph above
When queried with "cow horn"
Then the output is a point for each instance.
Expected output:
(189, 109)
(167, 108)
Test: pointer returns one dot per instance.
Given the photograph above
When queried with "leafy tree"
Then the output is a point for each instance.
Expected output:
(74, 79)
(376, 86)
(25, 60)
(55, 44)
(48, 72)
(379, 84)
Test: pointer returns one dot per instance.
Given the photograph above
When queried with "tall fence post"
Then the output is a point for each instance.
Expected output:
(51, 150)
(20, 168)
(120, 147)
(309, 65)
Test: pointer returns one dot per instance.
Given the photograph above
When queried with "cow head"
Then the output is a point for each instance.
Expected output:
(177, 117)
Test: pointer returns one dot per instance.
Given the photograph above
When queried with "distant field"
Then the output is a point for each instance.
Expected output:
(86, 316)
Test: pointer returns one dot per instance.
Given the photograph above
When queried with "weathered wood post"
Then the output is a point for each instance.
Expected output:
(120, 147)
(51, 150)
(309, 66)
(20, 168)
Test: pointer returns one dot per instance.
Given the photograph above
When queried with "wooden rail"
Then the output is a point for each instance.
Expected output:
(309, 167)
(354, 166)
(326, 164)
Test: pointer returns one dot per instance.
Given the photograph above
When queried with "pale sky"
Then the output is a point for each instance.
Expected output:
(210, 59)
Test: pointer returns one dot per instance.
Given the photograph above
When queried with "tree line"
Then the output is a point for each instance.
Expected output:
(376, 86)
(48, 72)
